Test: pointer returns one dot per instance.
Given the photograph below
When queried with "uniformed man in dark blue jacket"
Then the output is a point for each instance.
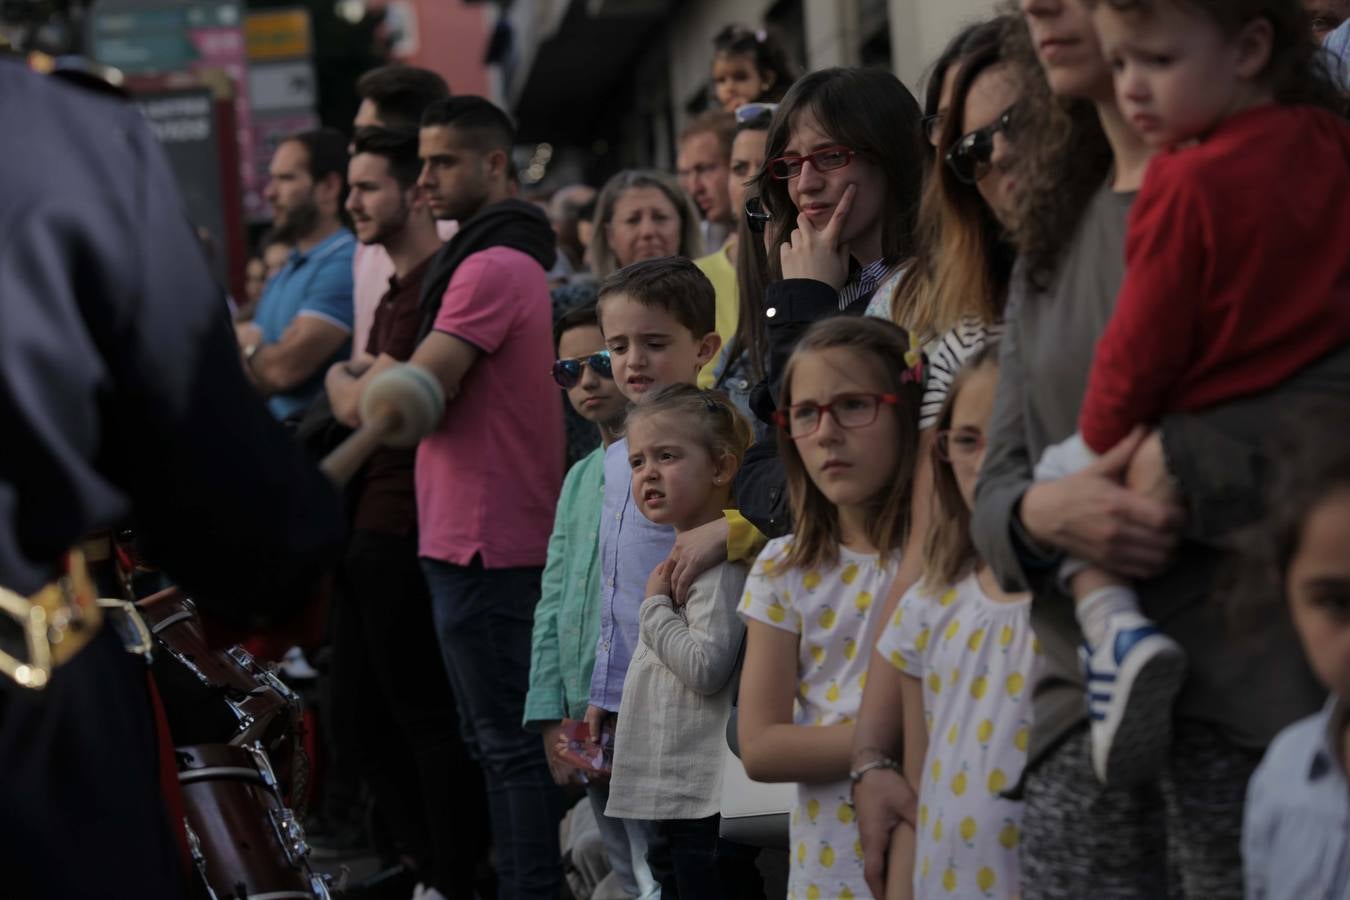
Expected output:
(121, 397)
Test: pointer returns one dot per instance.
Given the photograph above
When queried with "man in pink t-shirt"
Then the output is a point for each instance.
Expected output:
(488, 478)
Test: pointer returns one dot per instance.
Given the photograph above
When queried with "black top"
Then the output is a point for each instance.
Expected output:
(121, 395)
(387, 502)
(121, 390)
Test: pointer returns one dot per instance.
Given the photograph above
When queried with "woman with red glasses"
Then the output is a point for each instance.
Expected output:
(841, 187)
(844, 163)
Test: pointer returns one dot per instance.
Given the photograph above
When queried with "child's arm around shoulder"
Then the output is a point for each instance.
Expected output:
(701, 646)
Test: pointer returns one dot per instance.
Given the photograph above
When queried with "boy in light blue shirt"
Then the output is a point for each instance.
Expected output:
(658, 319)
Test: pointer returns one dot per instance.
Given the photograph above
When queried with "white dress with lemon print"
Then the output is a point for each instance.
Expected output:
(978, 661)
(831, 610)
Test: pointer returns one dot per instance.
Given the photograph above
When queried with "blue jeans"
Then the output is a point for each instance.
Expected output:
(483, 620)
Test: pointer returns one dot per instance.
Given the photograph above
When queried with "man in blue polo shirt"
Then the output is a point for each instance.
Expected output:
(304, 319)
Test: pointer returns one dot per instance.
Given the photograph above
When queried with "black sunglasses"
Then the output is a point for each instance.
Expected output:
(567, 372)
(972, 153)
(756, 216)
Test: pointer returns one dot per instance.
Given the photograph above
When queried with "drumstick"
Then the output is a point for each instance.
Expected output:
(399, 407)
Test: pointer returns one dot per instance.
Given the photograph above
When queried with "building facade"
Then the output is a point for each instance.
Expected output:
(615, 80)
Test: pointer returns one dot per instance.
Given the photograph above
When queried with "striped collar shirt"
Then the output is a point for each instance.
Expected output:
(863, 281)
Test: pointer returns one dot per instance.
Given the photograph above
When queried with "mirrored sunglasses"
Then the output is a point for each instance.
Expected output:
(567, 372)
(755, 114)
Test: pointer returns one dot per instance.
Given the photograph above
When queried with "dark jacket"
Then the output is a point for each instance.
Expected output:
(121, 395)
(510, 223)
(790, 307)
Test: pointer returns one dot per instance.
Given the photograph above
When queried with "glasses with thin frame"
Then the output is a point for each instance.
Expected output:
(567, 372)
(972, 154)
(959, 444)
(802, 420)
(756, 216)
(823, 160)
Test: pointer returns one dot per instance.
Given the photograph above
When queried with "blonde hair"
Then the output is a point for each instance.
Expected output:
(603, 261)
(962, 264)
(947, 549)
(721, 428)
(815, 519)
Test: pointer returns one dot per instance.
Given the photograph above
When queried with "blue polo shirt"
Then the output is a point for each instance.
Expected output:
(317, 282)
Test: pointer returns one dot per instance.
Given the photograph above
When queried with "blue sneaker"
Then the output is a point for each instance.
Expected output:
(1132, 679)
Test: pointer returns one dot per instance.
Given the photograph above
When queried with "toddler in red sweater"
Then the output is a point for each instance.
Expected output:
(1236, 278)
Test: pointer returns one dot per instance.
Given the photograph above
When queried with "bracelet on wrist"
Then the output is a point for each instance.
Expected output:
(885, 762)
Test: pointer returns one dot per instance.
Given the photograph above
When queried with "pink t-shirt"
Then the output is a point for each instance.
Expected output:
(488, 477)
(371, 270)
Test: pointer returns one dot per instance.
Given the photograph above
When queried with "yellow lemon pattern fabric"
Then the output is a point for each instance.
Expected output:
(831, 610)
(975, 660)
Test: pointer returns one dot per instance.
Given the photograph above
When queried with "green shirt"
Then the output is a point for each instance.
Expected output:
(567, 618)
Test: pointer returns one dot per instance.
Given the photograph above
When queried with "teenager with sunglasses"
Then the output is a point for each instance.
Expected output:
(567, 618)
(1081, 164)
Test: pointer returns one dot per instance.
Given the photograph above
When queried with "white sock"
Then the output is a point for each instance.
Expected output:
(1094, 611)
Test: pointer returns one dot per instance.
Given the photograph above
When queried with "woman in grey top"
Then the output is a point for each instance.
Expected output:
(1198, 478)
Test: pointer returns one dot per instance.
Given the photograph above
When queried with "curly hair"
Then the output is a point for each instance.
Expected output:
(1063, 158)
(961, 262)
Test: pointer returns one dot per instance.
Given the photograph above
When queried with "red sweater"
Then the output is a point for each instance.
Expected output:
(1237, 256)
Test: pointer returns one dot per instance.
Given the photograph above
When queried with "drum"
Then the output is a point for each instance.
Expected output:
(213, 696)
(244, 842)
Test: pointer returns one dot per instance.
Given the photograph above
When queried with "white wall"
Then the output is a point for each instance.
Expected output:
(919, 31)
(692, 29)
(921, 28)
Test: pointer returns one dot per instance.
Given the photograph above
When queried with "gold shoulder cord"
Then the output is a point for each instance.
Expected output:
(46, 630)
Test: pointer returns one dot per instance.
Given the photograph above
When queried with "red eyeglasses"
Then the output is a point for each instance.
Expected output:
(823, 160)
(849, 410)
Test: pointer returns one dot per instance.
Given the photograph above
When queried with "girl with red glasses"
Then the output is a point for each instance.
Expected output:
(850, 404)
(845, 159)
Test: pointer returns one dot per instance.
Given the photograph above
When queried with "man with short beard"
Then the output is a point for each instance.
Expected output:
(391, 696)
(304, 319)
(488, 477)
(392, 96)
(702, 165)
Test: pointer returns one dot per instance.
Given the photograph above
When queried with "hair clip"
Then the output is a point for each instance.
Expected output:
(761, 35)
(709, 402)
(913, 363)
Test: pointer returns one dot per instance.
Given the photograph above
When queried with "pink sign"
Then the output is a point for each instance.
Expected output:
(225, 48)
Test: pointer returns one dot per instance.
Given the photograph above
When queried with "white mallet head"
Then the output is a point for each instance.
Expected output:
(414, 394)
